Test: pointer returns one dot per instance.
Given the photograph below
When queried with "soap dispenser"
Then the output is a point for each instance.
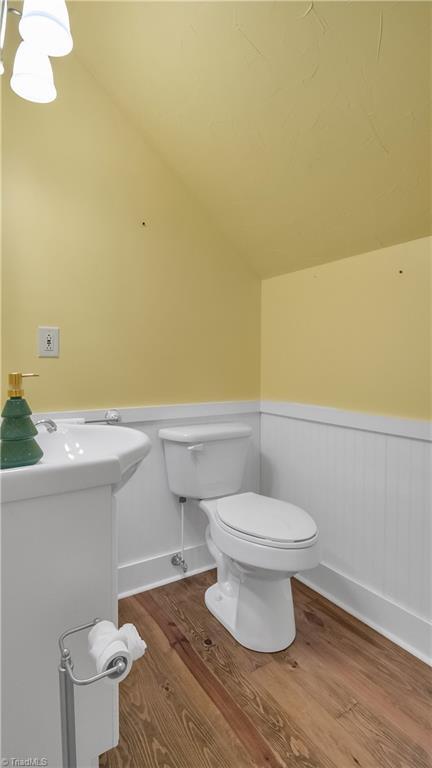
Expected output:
(18, 446)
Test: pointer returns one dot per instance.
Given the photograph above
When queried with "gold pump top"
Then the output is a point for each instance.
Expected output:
(15, 383)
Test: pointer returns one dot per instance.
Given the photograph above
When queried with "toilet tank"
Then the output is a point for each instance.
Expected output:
(204, 461)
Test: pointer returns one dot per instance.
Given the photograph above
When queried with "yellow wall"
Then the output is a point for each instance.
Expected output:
(156, 314)
(353, 334)
(306, 132)
(168, 312)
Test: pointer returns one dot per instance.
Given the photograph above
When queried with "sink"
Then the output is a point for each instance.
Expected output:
(77, 456)
(59, 569)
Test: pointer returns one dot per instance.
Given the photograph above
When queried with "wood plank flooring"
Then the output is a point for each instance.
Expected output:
(342, 695)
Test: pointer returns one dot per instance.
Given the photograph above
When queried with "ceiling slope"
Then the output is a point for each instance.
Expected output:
(304, 129)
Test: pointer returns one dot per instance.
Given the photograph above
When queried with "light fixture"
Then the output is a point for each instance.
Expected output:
(32, 77)
(45, 25)
(3, 20)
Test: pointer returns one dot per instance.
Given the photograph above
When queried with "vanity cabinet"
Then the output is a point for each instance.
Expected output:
(58, 571)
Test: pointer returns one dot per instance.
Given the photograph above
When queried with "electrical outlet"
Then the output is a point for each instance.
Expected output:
(48, 341)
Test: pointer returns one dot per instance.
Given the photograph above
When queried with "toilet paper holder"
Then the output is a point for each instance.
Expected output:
(67, 681)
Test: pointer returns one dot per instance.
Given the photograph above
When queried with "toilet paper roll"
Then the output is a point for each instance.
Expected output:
(114, 650)
(128, 633)
(101, 634)
(107, 643)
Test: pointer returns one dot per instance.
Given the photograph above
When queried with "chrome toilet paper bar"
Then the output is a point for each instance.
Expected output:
(67, 680)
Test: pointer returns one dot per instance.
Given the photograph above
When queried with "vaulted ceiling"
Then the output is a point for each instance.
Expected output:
(304, 129)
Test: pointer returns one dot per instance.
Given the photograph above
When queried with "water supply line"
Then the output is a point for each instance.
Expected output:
(178, 559)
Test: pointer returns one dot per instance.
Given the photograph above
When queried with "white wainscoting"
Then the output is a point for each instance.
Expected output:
(364, 477)
(369, 492)
(148, 513)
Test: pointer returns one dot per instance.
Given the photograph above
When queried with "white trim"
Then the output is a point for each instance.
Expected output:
(398, 624)
(417, 429)
(160, 412)
(156, 571)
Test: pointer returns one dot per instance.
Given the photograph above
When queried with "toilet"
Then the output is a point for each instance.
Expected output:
(258, 542)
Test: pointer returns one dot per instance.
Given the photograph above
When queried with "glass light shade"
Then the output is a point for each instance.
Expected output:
(32, 77)
(45, 25)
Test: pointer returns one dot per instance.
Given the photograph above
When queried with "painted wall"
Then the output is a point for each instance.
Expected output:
(159, 313)
(353, 334)
(305, 129)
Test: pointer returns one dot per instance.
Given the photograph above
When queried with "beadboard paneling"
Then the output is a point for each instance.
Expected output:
(364, 478)
(369, 494)
(148, 513)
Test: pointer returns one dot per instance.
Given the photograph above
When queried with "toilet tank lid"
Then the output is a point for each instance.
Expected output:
(204, 433)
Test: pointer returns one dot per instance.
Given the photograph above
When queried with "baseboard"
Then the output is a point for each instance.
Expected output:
(157, 571)
(409, 631)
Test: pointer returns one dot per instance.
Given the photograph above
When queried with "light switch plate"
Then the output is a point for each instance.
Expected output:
(48, 341)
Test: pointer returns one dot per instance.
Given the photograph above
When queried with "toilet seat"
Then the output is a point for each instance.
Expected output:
(266, 521)
(260, 552)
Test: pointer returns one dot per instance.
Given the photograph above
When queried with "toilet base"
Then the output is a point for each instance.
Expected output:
(257, 610)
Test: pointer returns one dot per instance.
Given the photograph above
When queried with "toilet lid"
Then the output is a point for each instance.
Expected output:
(265, 518)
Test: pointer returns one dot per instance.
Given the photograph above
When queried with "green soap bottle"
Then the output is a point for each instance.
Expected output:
(18, 447)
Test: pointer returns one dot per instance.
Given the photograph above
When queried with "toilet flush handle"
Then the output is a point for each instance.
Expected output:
(197, 447)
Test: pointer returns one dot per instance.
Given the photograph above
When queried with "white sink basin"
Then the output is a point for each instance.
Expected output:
(77, 456)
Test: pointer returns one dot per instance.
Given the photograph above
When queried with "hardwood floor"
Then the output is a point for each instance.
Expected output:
(342, 695)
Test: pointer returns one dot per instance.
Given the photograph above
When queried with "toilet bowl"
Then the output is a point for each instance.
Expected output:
(258, 542)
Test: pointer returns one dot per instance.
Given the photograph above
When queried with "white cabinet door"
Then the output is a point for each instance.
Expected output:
(58, 571)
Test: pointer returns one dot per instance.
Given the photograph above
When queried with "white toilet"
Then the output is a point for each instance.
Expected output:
(258, 542)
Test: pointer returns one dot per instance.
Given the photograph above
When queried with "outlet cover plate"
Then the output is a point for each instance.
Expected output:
(48, 341)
